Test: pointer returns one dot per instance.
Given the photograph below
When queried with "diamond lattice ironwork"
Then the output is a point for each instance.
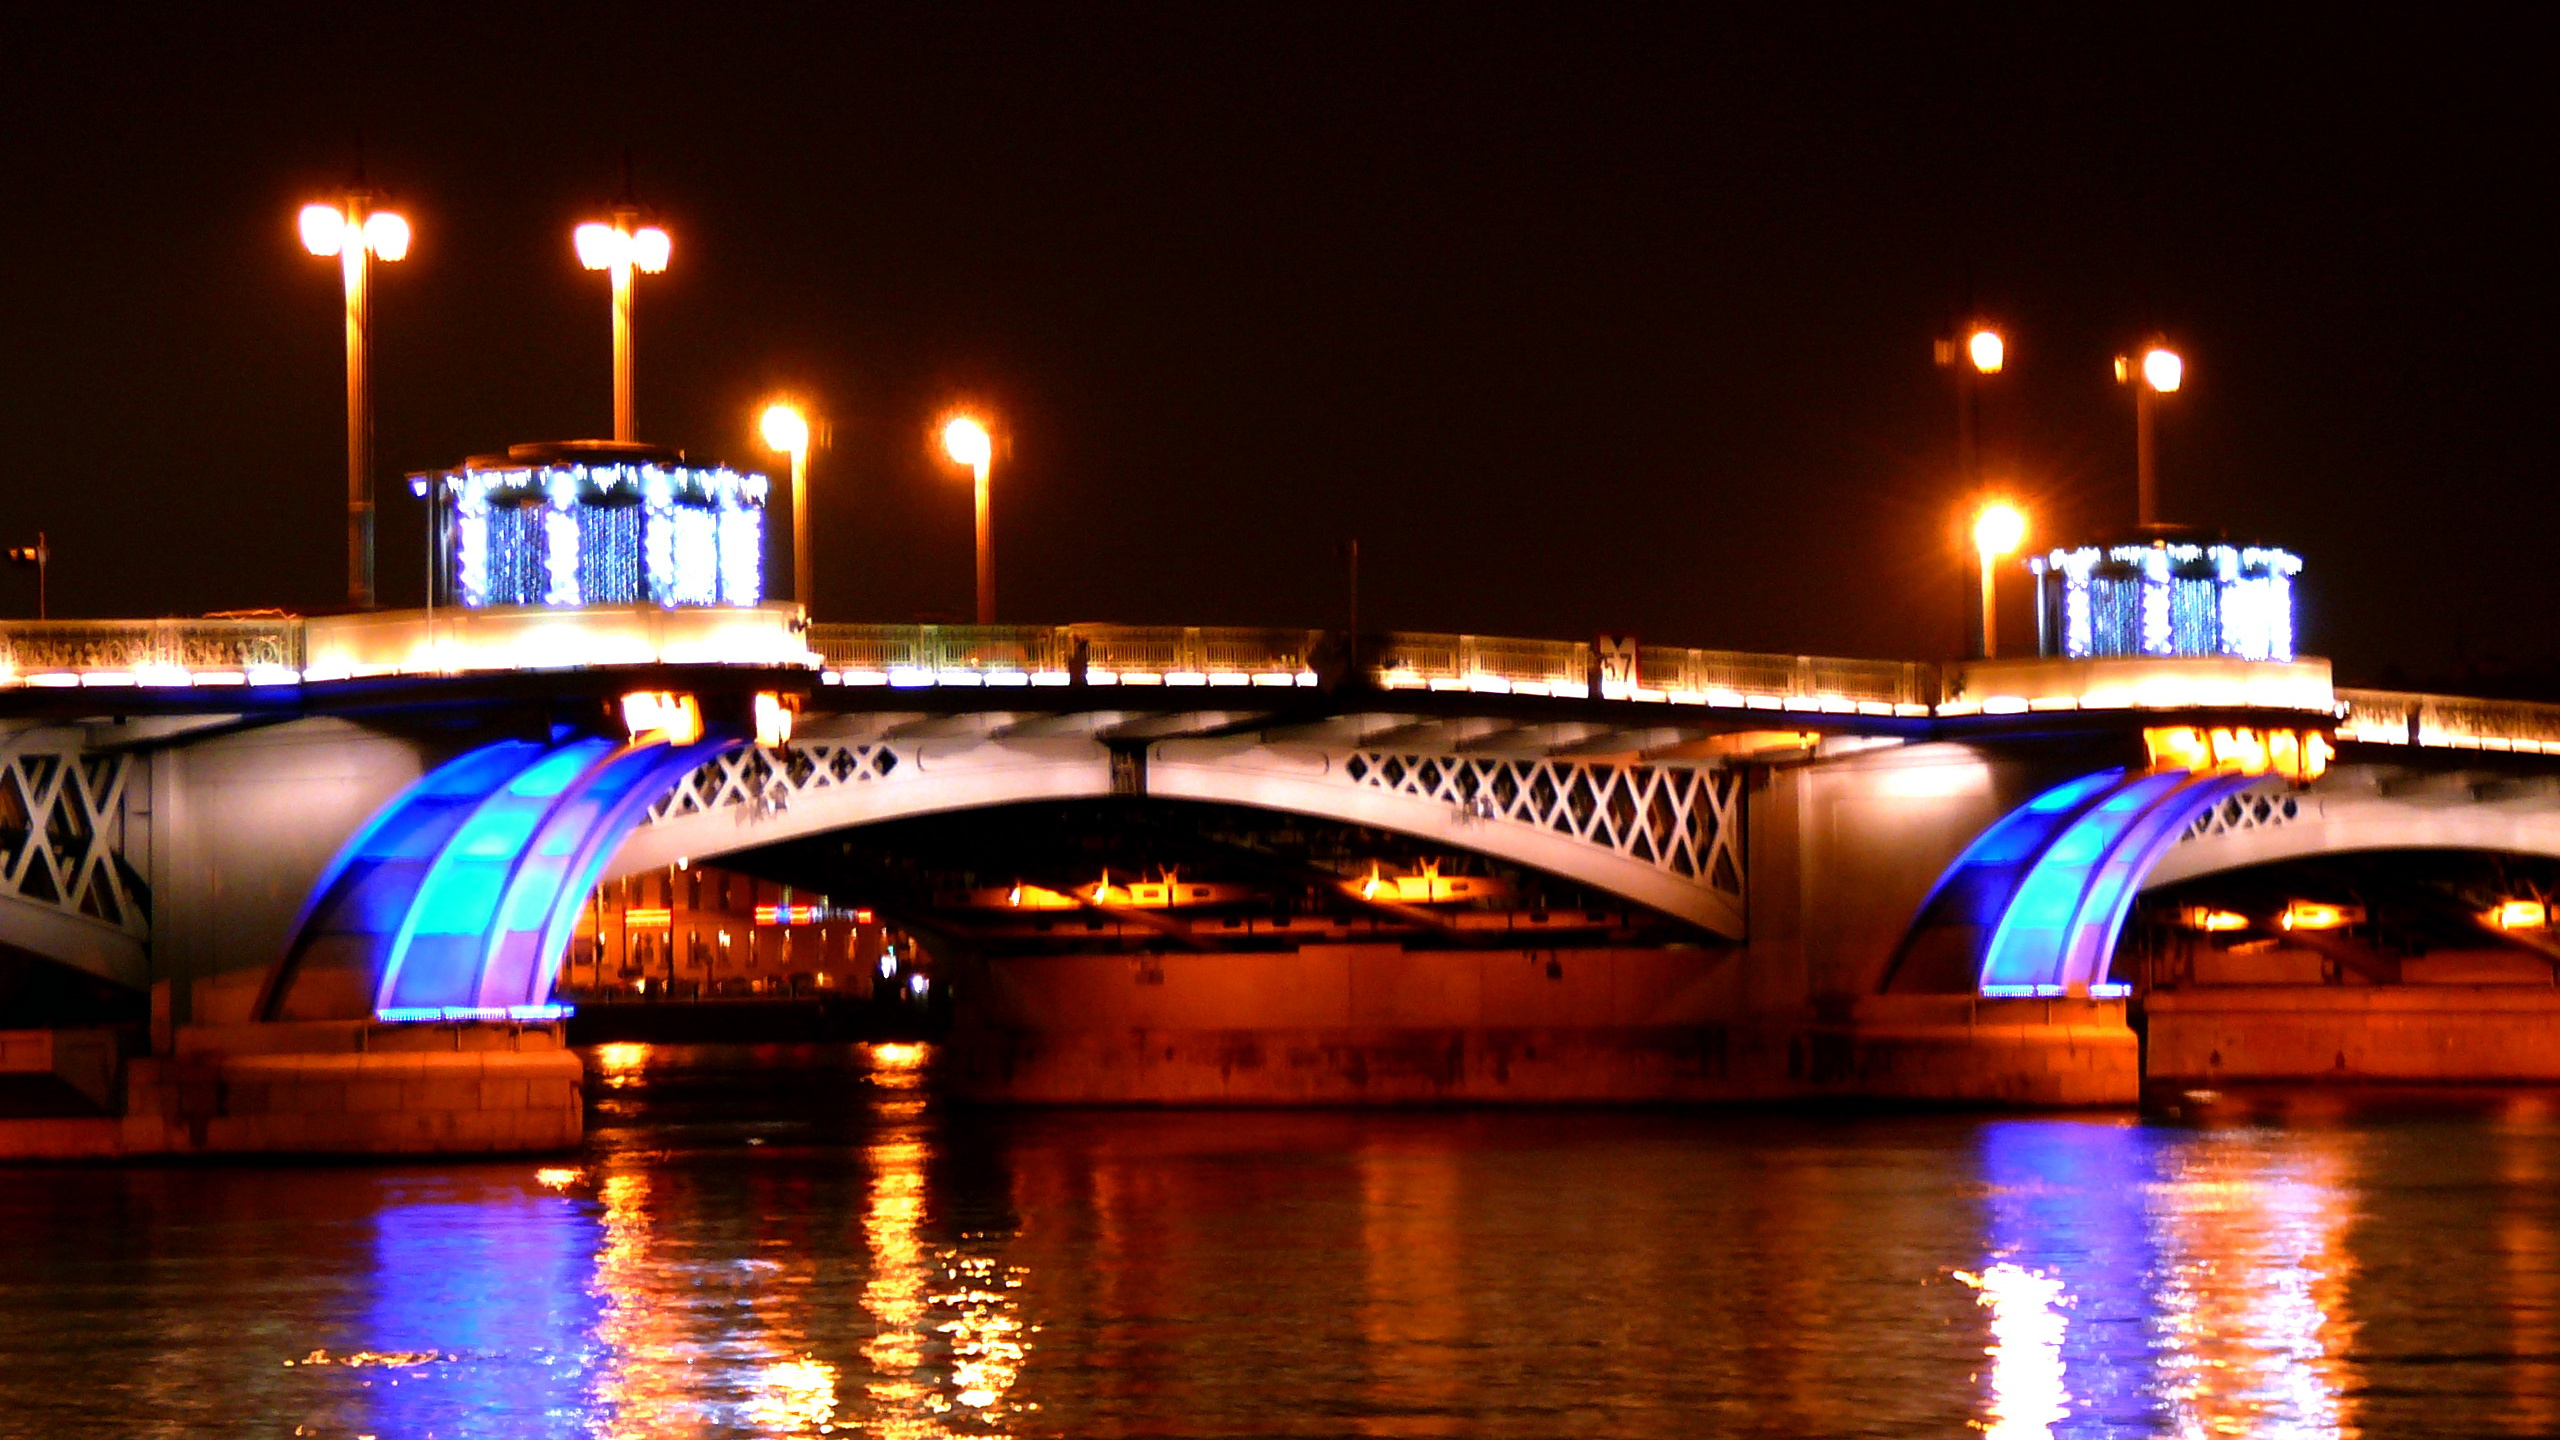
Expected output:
(62, 835)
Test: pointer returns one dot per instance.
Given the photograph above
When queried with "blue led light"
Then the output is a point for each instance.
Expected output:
(447, 1014)
(2167, 599)
(589, 524)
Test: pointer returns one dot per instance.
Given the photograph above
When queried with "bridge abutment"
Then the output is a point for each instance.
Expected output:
(324, 1088)
(1380, 1025)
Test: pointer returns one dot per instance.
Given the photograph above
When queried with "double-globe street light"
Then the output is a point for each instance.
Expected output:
(357, 234)
(620, 247)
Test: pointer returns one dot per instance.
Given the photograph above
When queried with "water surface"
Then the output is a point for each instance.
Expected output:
(803, 1241)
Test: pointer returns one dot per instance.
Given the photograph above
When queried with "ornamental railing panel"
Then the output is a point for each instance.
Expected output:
(1680, 819)
(62, 837)
(762, 782)
(38, 646)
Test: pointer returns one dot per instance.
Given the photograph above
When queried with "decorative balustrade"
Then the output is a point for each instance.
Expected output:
(276, 650)
(2396, 717)
(254, 651)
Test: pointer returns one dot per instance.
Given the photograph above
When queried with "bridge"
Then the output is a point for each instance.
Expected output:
(1418, 866)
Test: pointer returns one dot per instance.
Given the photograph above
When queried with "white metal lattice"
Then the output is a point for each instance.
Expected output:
(1683, 820)
(61, 833)
(766, 781)
(2249, 810)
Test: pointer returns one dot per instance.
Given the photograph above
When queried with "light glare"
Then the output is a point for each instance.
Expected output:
(1987, 350)
(386, 235)
(1999, 529)
(650, 248)
(599, 246)
(2162, 370)
(785, 430)
(324, 230)
(966, 441)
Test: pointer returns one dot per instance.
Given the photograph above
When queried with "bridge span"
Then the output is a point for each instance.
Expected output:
(307, 846)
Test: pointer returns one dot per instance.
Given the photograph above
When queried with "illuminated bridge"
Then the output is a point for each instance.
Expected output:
(1258, 865)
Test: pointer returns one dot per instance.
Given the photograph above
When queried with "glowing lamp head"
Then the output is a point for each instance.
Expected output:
(786, 430)
(1985, 348)
(386, 235)
(324, 229)
(967, 443)
(600, 246)
(1999, 529)
(650, 248)
(2162, 370)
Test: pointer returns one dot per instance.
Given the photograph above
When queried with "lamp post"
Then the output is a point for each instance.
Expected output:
(966, 441)
(1998, 530)
(620, 247)
(356, 233)
(2158, 371)
(1978, 352)
(787, 430)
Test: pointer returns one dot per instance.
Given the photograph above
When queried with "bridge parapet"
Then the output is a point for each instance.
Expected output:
(222, 651)
(2395, 717)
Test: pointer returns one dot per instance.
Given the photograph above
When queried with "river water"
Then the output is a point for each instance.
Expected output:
(803, 1241)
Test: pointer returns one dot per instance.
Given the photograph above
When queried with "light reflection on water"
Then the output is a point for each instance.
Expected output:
(799, 1242)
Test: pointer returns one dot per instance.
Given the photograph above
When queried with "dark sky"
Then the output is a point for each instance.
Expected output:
(1579, 317)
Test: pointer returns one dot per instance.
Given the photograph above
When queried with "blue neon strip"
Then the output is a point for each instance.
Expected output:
(521, 951)
(442, 1014)
(435, 958)
(605, 837)
(366, 891)
(1977, 887)
(2028, 945)
(2104, 912)
(2110, 990)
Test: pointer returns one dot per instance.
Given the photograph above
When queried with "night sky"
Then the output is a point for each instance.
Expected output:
(1580, 318)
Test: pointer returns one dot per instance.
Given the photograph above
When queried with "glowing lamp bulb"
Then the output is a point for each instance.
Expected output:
(2162, 370)
(324, 229)
(1987, 351)
(650, 248)
(386, 235)
(599, 246)
(1999, 529)
(785, 430)
(966, 441)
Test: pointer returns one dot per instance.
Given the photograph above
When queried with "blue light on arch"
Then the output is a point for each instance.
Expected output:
(460, 897)
(2042, 896)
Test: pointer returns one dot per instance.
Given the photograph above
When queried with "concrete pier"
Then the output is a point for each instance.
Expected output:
(1372, 1025)
(321, 1088)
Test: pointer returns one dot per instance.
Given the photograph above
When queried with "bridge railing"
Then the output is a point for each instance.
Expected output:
(2459, 722)
(258, 650)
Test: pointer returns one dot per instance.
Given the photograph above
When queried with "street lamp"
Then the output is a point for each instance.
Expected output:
(966, 441)
(1978, 352)
(356, 233)
(622, 246)
(1998, 530)
(2159, 371)
(787, 430)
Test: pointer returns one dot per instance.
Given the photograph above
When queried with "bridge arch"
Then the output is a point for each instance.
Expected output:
(2352, 811)
(460, 895)
(2034, 906)
(1668, 837)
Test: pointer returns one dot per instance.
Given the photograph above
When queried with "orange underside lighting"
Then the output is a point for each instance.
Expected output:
(2313, 915)
(637, 916)
(661, 715)
(2204, 917)
(2240, 750)
(2519, 915)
